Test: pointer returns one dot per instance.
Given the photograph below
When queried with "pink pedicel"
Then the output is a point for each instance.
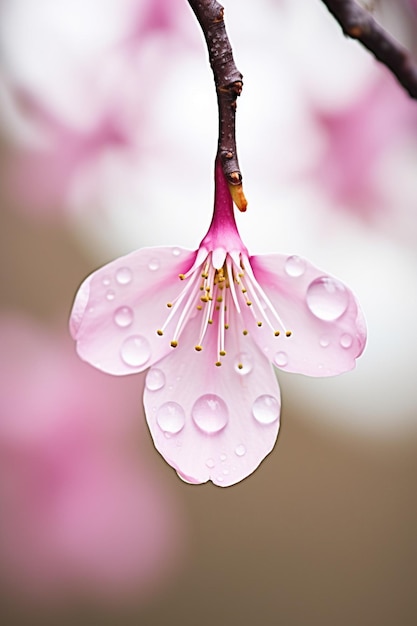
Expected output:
(209, 325)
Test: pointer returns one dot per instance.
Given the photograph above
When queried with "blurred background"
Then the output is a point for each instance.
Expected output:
(107, 140)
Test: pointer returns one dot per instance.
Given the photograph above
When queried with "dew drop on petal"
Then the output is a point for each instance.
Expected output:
(155, 379)
(240, 450)
(266, 409)
(210, 463)
(223, 457)
(281, 359)
(243, 363)
(295, 266)
(327, 298)
(135, 351)
(106, 281)
(123, 316)
(110, 295)
(153, 265)
(324, 341)
(346, 341)
(210, 413)
(124, 276)
(176, 252)
(170, 418)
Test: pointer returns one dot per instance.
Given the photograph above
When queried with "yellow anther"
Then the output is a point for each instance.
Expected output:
(199, 307)
(169, 304)
(219, 299)
(249, 303)
(241, 275)
(204, 299)
(198, 348)
(159, 332)
(276, 333)
(245, 332)
(204, 275)
(244, 290)
(222, 353)
(288, 333)
(174, 344)
(208, 288)
(209, 321)
(226, 326)
(240, 366)
(218, 363)
(181, 276)
(259, 324)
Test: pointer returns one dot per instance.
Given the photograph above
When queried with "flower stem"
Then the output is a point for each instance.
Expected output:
(228, 81)
(357, 23)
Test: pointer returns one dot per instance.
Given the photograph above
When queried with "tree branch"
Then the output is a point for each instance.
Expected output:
(357, 23)
(228, 81)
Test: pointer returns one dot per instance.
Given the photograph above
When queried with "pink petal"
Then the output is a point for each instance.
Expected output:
(211, 422)
(327, 326)
(120, 307)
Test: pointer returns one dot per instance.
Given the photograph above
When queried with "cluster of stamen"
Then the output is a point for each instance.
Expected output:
(214, 292)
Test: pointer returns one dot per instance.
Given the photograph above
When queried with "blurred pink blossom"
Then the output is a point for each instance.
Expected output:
(81, 510)
(112, 92)
(356, 139)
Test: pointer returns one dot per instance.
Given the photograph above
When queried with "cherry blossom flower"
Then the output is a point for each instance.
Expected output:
(210, 324)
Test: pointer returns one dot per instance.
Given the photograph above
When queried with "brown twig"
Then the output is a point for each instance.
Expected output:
(228, 81)
(357, 23)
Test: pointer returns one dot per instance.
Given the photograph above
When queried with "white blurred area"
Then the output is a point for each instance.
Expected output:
(152, 185)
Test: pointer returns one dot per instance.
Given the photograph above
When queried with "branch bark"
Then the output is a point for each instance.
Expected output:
(228, 82)
(357, 23)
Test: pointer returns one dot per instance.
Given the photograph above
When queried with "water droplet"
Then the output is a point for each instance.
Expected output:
(324, 341)
(240, 450)
(155, 379)
(295, 266)
(243, 363)
(210, 463)
(153, 265)
(123, 316)
(176, 251)
(110, 295)
(223, 457)
(226, 471)
(281, 359)
(327, 298)
(124, 276)
(346, 341)
(210, 413)
(135, 351)
(106, 281)
(266, 409)
(91, 309)
(170, 418)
